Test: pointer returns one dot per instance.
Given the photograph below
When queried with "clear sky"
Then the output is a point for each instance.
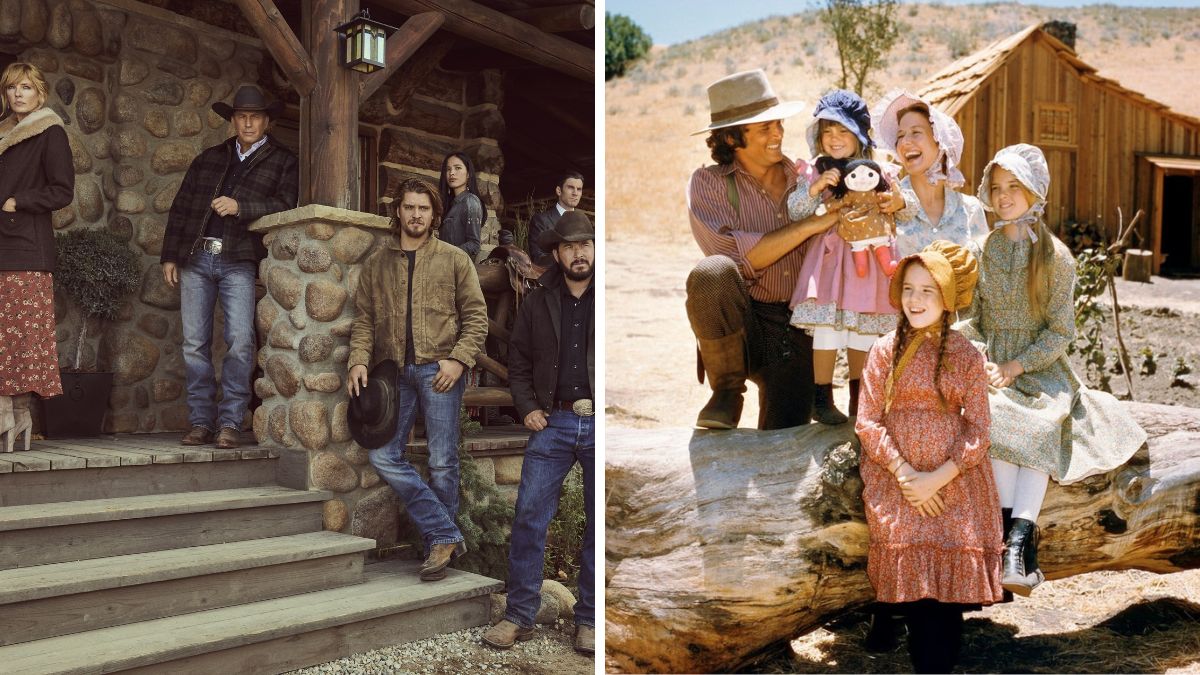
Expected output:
(672, 21)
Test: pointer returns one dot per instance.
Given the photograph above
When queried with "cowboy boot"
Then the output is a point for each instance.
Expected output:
(1017, 577)
(861, 262)
(725, 364)
(884, 632)
(823, 408)
(854, 389)
(883, 255)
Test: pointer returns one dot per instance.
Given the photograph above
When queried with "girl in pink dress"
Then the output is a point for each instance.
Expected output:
(839, 307)
(931, 502)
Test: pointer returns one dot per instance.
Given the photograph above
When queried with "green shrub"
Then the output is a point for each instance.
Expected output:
(566, 532)
(624, 43)
(484, 515)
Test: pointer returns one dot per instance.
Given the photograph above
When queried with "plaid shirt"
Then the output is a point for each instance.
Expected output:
(269, 184)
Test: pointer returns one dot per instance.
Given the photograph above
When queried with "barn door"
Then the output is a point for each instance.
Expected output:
(1180, 231)
(1061, 200)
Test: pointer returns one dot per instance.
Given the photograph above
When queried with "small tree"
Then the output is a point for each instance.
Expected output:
(624, 43)
(97, 271)
(865, 31)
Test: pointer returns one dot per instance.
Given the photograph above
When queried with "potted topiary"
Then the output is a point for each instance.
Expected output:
(97, 271)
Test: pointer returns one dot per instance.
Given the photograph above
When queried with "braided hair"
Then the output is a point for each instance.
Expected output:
(904, 333)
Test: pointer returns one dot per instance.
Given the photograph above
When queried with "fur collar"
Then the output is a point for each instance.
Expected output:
(34, 123)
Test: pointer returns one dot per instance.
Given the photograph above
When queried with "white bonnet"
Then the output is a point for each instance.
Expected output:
(946, 133)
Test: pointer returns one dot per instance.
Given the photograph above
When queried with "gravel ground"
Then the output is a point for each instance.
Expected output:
(550, 652)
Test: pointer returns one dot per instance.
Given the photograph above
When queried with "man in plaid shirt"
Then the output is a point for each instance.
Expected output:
(208, 251)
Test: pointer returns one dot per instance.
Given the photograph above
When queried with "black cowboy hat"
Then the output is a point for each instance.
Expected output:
(248, 97)
(573, 226)
(374, 413)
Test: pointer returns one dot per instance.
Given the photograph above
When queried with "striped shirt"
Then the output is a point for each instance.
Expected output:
(719, 231)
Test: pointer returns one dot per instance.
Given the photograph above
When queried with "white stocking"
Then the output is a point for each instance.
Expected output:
(1006, 481)
(1031, 489)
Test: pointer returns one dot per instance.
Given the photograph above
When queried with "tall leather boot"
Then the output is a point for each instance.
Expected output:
(1006, 520)
(854, 389)
(725, 365)
(1019, 576)
(823, 408)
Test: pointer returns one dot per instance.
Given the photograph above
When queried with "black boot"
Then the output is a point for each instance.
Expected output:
(854, 384)
(1020, 577)
(1006, 519)
(883, 635)
(823, 409)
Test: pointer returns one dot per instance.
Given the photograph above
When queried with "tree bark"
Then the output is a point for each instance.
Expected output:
(719, 544)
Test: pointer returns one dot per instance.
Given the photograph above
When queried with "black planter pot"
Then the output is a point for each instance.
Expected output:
(79, 411)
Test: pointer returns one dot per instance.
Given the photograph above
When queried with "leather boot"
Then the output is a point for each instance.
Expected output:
(1006, 520)
(1021, 548)
(854, 388)
(883, 634)
(823, 408)
(725, 364)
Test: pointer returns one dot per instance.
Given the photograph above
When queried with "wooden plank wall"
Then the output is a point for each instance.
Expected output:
(1101, 171)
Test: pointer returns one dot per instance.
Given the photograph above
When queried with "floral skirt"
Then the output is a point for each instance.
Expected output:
(28, 354)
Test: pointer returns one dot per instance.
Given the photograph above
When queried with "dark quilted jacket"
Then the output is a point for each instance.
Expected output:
(269, 185)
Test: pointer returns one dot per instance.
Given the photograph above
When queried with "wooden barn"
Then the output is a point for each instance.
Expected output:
(1107, 146)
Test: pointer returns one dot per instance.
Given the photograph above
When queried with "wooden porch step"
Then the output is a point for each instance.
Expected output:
(64, 598)
(392, 606)
(40, 534)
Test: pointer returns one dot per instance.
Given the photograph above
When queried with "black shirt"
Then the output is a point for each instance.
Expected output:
(574, 329)
(410, 354)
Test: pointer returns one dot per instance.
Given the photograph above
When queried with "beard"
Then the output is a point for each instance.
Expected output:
(573, 275)
(416, 231)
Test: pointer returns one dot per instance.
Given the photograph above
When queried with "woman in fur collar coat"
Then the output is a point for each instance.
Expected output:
(37, 176)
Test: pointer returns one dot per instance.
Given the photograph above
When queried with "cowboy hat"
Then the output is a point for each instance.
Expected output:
(248, 97)
(746, 98)
(374, 413)
(573, 226)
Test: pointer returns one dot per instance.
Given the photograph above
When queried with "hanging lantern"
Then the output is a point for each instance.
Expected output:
(363, 43)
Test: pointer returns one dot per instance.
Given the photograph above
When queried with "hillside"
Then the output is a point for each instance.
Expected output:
(650, 112)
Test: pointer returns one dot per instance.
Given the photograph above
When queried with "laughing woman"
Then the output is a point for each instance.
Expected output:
(37, 176)
(464, 209)
(928, 144)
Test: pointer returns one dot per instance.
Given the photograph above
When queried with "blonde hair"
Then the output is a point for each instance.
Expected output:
(14, 73)
(1038, 269)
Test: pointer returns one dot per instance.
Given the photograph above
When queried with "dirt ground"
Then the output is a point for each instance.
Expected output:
(1101, 622)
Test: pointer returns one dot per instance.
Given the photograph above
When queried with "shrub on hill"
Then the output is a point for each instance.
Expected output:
(624, 43)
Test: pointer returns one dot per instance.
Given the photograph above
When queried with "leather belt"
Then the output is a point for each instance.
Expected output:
(212, 246)
(583, 407)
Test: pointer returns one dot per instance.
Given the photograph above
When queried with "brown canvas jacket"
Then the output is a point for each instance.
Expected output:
(449, 314)
(37, 171)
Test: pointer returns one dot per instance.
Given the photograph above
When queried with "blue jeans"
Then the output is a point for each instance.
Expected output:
(431, 506)
(205, 279)
(551, 453)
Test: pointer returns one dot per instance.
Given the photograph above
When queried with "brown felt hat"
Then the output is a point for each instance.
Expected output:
(248, 97)
(953, 268)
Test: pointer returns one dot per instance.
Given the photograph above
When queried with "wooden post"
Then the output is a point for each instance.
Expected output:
(329, 115)
(272, 29)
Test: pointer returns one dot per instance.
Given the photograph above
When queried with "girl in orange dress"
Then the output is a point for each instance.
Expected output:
(931, 502)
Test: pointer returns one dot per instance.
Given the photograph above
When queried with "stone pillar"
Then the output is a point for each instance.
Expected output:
(311, 273)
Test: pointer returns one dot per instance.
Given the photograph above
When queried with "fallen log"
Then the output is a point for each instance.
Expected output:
(719, 544)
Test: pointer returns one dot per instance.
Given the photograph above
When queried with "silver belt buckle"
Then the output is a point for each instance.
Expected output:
(212, 246)
(583, 407)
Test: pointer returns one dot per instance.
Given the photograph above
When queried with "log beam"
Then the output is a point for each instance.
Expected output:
(492, 366)
(281, 42)
(561, 19)
(329, 115)
(400, 46)
(495, 29)
(719, 544)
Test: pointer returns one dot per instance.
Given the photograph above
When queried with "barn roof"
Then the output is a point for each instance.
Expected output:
(954, 85)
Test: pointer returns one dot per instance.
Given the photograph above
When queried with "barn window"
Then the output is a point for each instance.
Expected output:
(1055, 124)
